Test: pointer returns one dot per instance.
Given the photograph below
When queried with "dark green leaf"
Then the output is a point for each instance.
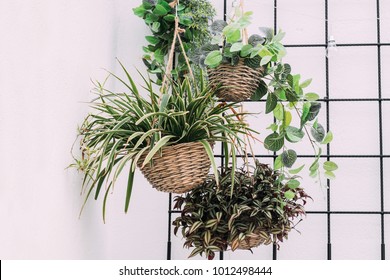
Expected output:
(289, 157)
(152, 40)
(318, 133)
(274, 142)
(271, 103)
(160, 10)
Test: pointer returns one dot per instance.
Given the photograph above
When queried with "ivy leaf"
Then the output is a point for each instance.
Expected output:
(297, 170)
(236, 47)
(279, 112)
(293, 184)
(318, 132)
(294, 134)
(289, 194)
(274, 142)
(328, 138)
(265, 60)
(271, 103)
(246, 50)
(278, 162)
(311, 96)
(305, 83)
(213, 59)
(330, 166)
(329, 175)
(289, 157)
(287, 118)
(315, 108)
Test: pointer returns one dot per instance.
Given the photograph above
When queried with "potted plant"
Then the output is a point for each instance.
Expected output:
(241, 62)
(193, 18)
(261, 208)
(168, 134)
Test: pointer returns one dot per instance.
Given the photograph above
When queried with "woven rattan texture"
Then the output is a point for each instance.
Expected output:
(252, 241)
(237, 83)
(179, 169)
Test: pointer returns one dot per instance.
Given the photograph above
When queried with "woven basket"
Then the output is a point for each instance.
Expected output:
(237, 83)
(179, 169)
(252, 241)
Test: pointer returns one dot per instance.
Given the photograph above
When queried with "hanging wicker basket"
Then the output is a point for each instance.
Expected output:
(237, 83)
(178, 169)
(253, 241)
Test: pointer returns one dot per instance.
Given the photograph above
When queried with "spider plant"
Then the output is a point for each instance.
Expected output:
(126, 125)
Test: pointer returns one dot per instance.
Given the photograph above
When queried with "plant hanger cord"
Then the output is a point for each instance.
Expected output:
(176, 36)
(241, 7)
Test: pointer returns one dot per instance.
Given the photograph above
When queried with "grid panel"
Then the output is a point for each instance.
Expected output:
(334, 216)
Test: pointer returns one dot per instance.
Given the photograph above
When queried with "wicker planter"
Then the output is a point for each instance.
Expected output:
(237, 83)
(179, 169)
(252, 241)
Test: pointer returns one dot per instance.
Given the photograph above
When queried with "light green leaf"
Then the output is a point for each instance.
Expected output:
(279, 112)
(330, 166)
(236, 47)
(294, 134)
(328, 138)
(330, 175)
(287, 118)
(213, 59)
(278, 162)
(305, 83)
(293, 184)
(289, 194)
(297, 170)
(265, 60)
(273, 127)
(311, 96)
(246, 50)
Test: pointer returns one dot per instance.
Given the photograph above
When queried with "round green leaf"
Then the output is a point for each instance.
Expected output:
(274, 142)
(318, 132)
(294, 134)
(289, 194)
(289, 157)
(330, 166)
(213, 59)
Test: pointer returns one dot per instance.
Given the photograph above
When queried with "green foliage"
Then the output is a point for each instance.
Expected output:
(194, 16)
(124, 126)
(260, 50)
(212, 219)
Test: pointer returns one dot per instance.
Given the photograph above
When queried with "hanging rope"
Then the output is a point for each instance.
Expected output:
(176, 36)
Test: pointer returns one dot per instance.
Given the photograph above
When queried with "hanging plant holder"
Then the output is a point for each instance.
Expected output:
(255, 240)
(178, 168)
(235, 83)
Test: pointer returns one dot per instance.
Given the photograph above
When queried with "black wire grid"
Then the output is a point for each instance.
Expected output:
(326, 100)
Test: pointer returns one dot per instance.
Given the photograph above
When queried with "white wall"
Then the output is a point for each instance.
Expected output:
(49, 50)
